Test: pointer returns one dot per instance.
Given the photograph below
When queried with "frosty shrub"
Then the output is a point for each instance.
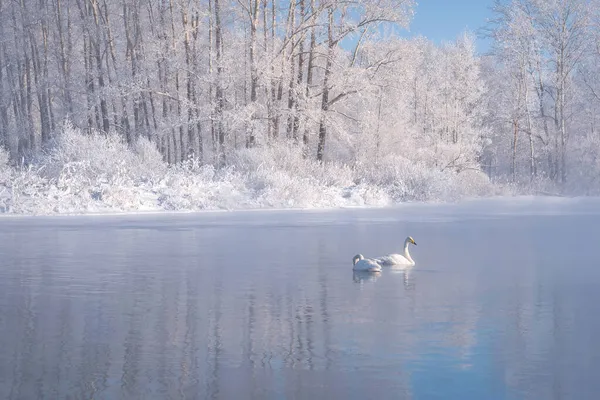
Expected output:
(98, 172)
(405, 180)
(280, 176)
(542, 185)
(584, 171)
(150, 164)
(276, 176)
(28, 192)
(85, 159)
(192, 186)
(473, 183)
(539, 185)
(402, 179)
(5, 178)
(5, 169)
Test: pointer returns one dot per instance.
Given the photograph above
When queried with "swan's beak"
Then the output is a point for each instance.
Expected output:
(415, 243)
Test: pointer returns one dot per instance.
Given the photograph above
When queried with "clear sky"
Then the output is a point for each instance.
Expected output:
(441, 20)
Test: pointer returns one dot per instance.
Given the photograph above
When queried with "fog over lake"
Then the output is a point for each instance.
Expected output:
(503, 303)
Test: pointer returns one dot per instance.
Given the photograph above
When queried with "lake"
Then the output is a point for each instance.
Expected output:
(503, 303)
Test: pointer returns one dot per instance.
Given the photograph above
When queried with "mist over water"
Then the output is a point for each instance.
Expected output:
(502, 304)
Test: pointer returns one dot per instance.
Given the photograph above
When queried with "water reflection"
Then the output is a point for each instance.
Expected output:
(409, 279)
(365, 276)
(408, 276)
(100, 312)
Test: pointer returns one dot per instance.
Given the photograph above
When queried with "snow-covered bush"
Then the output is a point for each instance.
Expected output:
(90, 157)
(5, 177)
(28, 191)
(401, 179)
(95, 172)
(190, 186)
(5, 169)
(405, 180)
(280, 176)
(150, 164)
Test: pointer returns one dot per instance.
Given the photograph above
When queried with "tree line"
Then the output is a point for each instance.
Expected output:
(544, 66)
(334, 78)
(197, 77)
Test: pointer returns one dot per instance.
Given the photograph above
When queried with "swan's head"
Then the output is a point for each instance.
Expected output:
(411, 240)
(357, 258)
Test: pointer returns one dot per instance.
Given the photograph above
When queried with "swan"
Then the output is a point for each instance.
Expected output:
(398, 259)
(365, 264)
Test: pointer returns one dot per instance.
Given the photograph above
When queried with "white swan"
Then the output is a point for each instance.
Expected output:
(365, 264)
(398, 259)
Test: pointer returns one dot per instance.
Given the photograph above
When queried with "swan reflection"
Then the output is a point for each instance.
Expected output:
(365, 276)
(408, 276)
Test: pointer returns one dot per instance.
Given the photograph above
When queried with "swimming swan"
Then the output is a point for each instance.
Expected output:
(365, 264)
(399, 259)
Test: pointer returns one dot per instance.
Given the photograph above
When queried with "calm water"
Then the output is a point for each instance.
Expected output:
(504, 303)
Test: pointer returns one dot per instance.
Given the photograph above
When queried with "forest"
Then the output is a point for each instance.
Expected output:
(185, 105)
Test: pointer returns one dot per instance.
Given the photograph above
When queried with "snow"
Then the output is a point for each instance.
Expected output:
(98, 173)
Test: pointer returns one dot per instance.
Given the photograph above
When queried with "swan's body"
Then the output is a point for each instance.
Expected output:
(365, 264)
(399, 259)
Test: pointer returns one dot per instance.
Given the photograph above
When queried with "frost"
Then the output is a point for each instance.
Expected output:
(93, 172)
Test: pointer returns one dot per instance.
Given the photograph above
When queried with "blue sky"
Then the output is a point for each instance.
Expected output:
(441, 20)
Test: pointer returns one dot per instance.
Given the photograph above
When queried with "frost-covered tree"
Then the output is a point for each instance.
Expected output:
(540, 48)
(304, 91)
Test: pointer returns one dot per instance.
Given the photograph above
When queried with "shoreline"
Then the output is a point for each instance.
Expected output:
(504, 200)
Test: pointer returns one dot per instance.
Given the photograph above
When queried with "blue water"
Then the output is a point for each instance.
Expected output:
(502, 304)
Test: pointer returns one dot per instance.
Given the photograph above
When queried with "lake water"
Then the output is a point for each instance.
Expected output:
(504, 303)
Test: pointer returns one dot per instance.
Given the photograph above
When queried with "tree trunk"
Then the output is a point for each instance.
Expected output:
(514, 150)
(563, 136)
(191, 126)
(100, 72)
(274, 121)
(251, 140)
(292, 82)
(268, 87)
(325, 95)
(211, 99)
(300, 77)
(3, 101)
(309, 73)
(198, 143)
(64, 54)
(219, 92)
(532, 171)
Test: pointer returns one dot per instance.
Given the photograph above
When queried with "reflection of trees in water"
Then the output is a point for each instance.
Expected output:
(166, 330)
(133, 342)
(539, 349)
(323, 304)
(161, 331)
(174, 327)
(26, 353)
(189, 381)
(214, 343)
(95, 352)
(250, 317)
(64, 356)
(188, 329)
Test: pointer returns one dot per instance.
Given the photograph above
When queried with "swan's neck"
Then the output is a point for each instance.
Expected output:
(406, 253)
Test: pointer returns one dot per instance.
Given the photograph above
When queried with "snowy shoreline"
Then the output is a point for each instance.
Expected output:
(486, 205)
(97, 174)
(100, 174)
